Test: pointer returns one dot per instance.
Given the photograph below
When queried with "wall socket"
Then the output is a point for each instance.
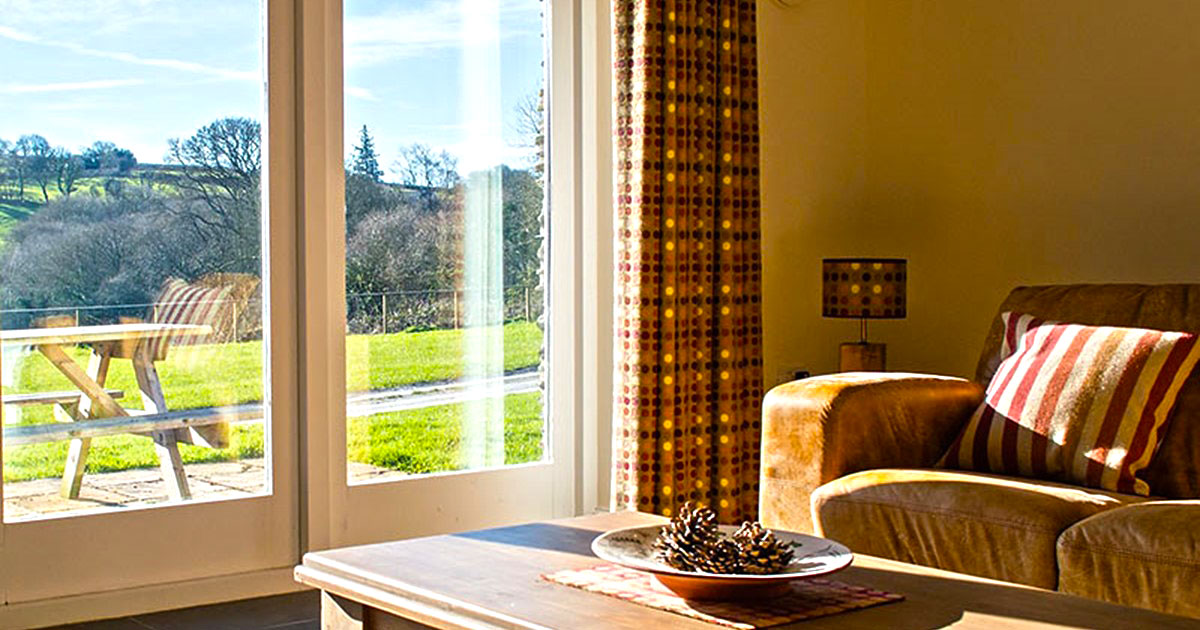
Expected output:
(788, 375)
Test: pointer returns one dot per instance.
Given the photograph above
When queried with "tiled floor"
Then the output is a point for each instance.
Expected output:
(293, 611)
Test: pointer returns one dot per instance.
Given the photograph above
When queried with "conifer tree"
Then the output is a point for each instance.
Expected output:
(366, 160)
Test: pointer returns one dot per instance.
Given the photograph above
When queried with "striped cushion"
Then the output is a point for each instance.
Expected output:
(183, 303)
(1083, 404)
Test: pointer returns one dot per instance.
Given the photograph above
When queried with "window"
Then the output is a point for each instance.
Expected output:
(428, 359)
(130, 214)
(445, 235)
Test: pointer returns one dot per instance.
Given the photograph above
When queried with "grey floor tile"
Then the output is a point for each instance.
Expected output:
(108, 624)
(248, 614)
(292, 611)
(311, 624)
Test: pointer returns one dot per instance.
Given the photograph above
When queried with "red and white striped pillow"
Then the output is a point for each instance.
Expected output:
(1084, 404)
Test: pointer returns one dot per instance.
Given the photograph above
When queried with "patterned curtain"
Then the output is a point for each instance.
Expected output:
(689, 351)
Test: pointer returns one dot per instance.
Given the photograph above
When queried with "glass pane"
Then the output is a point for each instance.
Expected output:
(444, 235)
(130, 255)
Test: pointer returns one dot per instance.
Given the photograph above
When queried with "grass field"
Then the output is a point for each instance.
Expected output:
(12, 211)
(420, 440)
(429, 439)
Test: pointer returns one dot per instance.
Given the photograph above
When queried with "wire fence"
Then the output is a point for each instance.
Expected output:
(366, 313)
(398, 311)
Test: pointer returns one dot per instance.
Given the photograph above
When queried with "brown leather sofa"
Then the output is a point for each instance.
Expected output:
(852, 457)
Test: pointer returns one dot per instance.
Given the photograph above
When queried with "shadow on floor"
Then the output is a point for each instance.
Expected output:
(292, 611)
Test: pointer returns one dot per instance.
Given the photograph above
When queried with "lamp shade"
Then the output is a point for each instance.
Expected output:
(867, 288)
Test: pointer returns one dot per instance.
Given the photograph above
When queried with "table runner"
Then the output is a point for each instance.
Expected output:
(809, 599)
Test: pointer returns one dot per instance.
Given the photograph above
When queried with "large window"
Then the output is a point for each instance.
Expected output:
(130, 254)
(327, 296)
(445, 173)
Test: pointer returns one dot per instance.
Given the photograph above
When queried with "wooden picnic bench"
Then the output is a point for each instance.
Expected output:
(93, 410)
(51, 398)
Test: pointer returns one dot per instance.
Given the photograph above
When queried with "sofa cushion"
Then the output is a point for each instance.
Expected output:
(1145, 555)
(1175, 470)
(987, 525)
(1078, 403)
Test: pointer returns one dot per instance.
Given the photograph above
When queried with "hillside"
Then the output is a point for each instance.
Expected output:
(14, 209)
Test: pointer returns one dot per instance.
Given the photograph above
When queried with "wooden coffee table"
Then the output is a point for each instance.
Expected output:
(490, 580)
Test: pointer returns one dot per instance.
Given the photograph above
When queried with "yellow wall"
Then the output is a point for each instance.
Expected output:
(813, 117)
(992, 143)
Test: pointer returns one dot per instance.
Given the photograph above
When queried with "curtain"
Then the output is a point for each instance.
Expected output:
(688, 328)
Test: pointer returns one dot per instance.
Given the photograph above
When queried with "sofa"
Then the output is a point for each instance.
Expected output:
(854, 457)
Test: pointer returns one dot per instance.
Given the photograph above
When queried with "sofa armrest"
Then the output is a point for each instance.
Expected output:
(818, 429)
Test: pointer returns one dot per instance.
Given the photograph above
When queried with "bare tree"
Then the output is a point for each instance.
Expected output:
(20, 162)
(531, 125)
(218, 180)
(221, 160)
(420, 166)
(39, 162)
(434, 175)
(6, 169)
(219, 167)
(68, 168)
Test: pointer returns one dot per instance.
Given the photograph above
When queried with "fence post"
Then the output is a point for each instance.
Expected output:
(455, 308)
(77, 318)
(384, 298)
(527, 313)
(236, 335)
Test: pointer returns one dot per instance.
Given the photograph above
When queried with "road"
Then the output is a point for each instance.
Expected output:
(430, 395)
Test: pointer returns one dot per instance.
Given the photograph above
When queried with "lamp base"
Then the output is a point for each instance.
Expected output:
(863, 357)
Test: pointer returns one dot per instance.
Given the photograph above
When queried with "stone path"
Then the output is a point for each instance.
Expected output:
(423, 395)
(144, 487)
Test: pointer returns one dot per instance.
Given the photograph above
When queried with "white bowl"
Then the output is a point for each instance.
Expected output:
(633, 547)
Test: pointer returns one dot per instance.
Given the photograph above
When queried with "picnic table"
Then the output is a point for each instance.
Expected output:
(93, 410)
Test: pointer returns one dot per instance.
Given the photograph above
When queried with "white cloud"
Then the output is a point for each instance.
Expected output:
(15, 35)
(73, 86)
(104, 17)
(410, 32)
(361, 93)
(172, 64)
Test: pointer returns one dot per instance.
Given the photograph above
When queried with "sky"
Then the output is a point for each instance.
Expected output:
(446, 73)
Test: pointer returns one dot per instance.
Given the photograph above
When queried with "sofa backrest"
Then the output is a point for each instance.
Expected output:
(1175, 470)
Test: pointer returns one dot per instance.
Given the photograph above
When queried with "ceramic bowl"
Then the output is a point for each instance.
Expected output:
(633, 547)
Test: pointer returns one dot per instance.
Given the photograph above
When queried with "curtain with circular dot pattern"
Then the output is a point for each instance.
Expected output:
(688, 347)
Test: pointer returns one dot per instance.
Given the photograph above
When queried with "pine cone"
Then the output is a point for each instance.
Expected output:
(692, 542)
(723, 556)
(760, 551)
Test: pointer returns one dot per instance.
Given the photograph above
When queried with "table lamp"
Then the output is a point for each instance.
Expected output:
(864, 288)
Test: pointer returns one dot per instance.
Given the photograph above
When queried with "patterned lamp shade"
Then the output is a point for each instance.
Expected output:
(867, 288)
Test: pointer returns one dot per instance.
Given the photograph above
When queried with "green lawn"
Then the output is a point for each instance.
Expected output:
(420, 440)
(13, 211)
(430, 439)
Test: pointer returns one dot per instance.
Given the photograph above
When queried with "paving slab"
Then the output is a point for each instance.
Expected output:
(32, 488)
(51, 502)
(141, 487)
